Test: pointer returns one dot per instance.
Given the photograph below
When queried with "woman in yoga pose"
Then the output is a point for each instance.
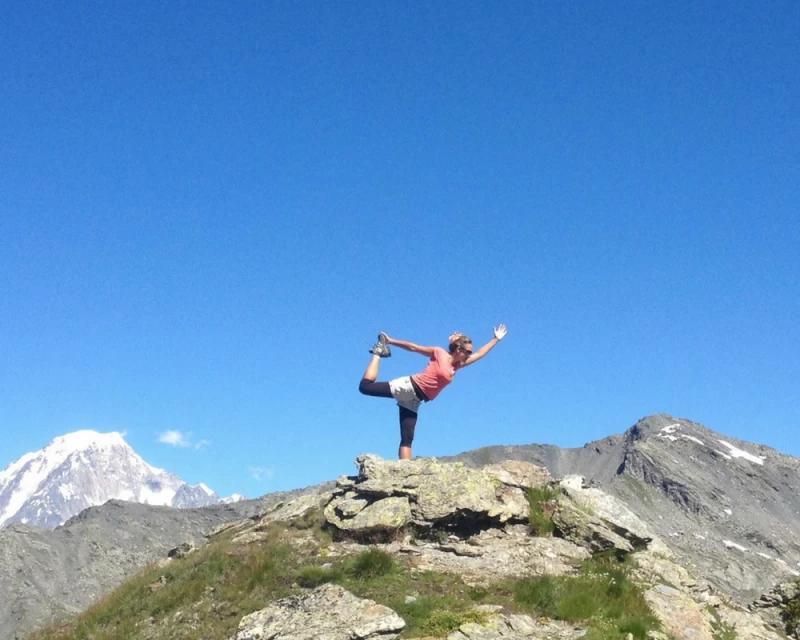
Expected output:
(411, 391)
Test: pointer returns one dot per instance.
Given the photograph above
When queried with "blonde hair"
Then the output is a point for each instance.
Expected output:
(458, 340)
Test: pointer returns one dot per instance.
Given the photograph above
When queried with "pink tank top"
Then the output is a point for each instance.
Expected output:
(437, 375)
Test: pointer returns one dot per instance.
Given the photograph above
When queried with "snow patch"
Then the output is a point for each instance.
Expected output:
(693, 439)
(764, 555)
(738, 453)
(733, 545)
(671, 428)
(206, 490)
(728, 511)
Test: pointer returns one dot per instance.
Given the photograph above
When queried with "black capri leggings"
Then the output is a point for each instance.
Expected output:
(408, 418)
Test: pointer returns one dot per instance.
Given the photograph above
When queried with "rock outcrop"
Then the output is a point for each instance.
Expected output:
(328, 612)
(385, 496)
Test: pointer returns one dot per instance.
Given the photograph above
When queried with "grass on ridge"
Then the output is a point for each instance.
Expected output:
(205, 594)
(602, 597)
(540, 503)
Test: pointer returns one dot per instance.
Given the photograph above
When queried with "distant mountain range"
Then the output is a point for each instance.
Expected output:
(729, 510)
(86, 468)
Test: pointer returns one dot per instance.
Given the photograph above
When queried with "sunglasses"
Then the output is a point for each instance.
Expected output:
(465, 351)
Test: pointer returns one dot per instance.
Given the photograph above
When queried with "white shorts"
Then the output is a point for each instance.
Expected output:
(403, 391)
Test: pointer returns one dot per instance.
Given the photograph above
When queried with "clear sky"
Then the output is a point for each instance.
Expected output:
(208, 210)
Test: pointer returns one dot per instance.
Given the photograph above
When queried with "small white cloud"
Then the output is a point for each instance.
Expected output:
(261, 473)
(202, 443)
(175, 438)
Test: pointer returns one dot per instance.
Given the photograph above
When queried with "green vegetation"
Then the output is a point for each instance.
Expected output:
(205, 594)
(791, 613)
(602, 596)
(542, 502)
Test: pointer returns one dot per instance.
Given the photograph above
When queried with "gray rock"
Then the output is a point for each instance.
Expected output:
(389, 513)
(516, 473)
(584, 529)
(680, 615)
(329, 612)
(516, 627)
(426, 491)
(182, 550)
(611, 510)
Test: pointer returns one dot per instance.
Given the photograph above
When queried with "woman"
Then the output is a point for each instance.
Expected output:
(411, 391)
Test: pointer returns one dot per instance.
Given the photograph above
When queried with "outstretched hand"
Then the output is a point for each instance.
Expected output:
(500, 332)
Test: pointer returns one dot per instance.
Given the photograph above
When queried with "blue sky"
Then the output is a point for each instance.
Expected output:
(208, 210)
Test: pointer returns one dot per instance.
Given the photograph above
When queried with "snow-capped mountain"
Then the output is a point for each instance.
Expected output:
(83, 469)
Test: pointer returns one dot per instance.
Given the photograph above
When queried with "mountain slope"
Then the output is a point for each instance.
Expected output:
(45, 573)
(730, 509)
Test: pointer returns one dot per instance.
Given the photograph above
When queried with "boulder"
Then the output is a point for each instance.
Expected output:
(611, 510)
(329, 612)
(389, 494)
(583, 529)
(387, 514)
(285, 511)
(516, 473)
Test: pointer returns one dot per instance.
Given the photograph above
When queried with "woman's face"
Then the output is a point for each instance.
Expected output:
(463, 352)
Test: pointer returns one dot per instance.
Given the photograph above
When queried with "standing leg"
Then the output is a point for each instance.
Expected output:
(408, 422)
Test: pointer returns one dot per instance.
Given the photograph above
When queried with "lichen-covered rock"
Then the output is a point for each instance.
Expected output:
(770, 605)
(584, 529)
(516, 627)
(387, 514)
(293, 509)
(516, 473)
(498, 553)
(329, 612)
(389, 494)
(746, 625)
(681, 616)
(609, 509)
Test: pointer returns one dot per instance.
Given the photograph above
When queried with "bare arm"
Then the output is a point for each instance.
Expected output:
(499, 334)
(410, 346)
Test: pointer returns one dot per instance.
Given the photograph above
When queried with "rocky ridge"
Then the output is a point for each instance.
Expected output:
(729, 509)
(481, 517)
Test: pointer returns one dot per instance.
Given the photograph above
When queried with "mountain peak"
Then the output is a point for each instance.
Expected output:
(86, 439)
(86, 468)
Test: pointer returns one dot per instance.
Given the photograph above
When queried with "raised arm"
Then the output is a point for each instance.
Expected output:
(499, 334)
(410, 346)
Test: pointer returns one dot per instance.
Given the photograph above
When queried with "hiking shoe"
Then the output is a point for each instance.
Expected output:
(381, 349)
